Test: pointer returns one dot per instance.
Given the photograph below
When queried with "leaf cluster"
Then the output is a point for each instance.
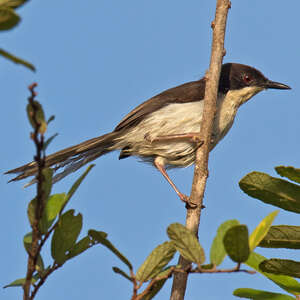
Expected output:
(9, 19)
(286, 195)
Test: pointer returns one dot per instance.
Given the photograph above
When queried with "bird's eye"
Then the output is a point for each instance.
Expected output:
(247, 79)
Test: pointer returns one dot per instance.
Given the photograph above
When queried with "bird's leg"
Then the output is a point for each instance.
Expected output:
(193, 137)
(159, 164)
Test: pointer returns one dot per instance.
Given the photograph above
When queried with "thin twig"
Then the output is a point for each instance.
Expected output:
(214, 271)
(189, 270)
(40, 159)
(202, 154)
(46, 236)
(147, 290)
(135, 285)
(43, 279)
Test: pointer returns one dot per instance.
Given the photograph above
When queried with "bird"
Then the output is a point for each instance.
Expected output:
(163, 130)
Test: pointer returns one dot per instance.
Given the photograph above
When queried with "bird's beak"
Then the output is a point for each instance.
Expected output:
(276, 85)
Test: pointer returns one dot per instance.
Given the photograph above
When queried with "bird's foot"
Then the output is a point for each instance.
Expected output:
(188, 204)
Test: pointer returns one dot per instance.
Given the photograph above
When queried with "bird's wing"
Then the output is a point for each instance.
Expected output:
(188, 92)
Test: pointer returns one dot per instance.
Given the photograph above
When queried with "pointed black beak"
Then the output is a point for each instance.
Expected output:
(276, 85)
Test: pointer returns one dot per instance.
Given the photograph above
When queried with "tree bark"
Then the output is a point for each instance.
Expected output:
(202, 155)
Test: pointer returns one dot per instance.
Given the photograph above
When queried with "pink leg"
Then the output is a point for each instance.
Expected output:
(192, 137)
(161, 168)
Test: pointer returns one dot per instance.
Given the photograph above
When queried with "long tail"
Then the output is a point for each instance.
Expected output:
(70, 159)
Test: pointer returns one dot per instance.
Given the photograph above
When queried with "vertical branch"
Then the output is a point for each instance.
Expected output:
(38, 139)
(201, 165)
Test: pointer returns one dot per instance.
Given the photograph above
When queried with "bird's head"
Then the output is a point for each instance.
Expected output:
(245, 81)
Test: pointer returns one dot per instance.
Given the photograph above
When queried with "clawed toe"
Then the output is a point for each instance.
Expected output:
(184, 198)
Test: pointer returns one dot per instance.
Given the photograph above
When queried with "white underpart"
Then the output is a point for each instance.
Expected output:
(179, 118)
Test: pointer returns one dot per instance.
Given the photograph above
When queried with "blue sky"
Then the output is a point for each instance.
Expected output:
(95, 62)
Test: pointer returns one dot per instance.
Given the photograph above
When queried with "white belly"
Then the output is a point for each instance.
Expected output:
(177, 118)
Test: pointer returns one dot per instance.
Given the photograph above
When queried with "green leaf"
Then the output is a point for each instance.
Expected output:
(36, 116)
(236, 243)
(100, 237)
(12, 3)
(281, 267)
(19, 282)
(154, 289)
(47, 182)
(261, 230)
(27, 242)
(65, 235)
(166, 272)
(217, 250)
(287, 283)
(208, 266)
(186, 243)
(49, 140)
(122, 273)
(8, 18)
(97, 235)
(46, 187)
(260, 295)
(271, 190)
(50, 119)
(289, 172)
(282, 236)
(76, 185)
(31, 211)
(52, 208)
(80, 247)
(156, 261)
(17, 60)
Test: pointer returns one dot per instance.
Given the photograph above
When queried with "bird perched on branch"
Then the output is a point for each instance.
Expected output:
(164, 129)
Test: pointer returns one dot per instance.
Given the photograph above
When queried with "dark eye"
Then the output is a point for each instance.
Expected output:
(247, 79)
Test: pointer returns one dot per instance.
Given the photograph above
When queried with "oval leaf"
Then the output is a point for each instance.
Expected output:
(80, 247)
(281, 267)
(36, 116)
(282, 236)
(186, 243)
(157, 286)
(8, 18)
(27, 241)
(47, 182)
(289, 172)
(271, 190)
(156, 261)
(236, 243)
(65, 235)
(12, 3)
(260, 295)
(31, 211)
(100, 237)
(19, 282)
(261, 230)
(52, 208)
(287, 283)
(217, 250)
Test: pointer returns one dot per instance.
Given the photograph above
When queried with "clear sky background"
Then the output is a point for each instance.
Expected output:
(97, 60)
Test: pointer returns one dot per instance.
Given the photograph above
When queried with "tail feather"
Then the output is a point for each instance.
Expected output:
(69, 159)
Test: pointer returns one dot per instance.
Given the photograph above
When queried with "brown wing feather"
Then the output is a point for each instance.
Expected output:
(188, 92)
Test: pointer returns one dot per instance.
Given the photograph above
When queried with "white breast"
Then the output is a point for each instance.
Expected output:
(179, 118)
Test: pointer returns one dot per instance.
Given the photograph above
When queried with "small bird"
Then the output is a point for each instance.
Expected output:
(163, 130)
